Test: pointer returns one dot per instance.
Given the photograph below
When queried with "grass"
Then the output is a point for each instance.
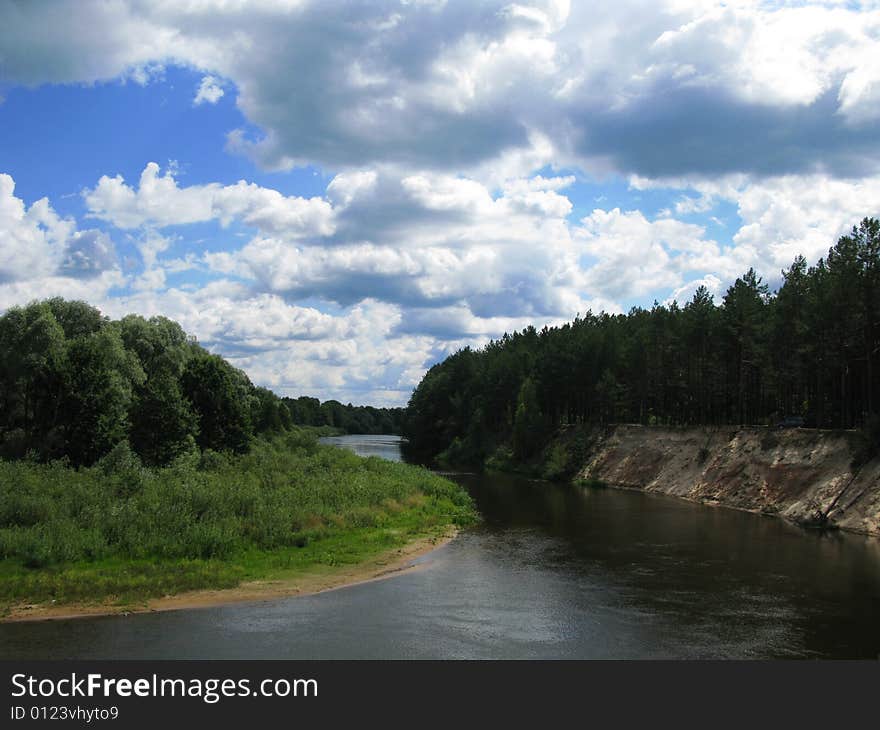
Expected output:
(120, 532)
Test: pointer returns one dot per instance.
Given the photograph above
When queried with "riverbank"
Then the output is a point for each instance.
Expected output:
(284, 584)
(803, 475)
(118, 537)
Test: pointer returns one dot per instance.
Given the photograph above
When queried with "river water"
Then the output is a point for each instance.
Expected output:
(554, 571)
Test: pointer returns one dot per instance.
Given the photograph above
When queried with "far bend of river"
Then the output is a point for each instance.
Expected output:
(555, 571)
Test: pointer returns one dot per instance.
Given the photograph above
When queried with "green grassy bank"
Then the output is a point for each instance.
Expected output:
(120, 532)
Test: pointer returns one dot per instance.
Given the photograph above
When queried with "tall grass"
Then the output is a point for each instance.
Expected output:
(96, 524)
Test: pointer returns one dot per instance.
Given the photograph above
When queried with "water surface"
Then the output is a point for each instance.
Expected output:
(553, 572)
(385, 447)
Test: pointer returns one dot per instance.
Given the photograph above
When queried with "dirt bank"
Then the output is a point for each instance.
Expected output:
(381, 566)
(800, 474)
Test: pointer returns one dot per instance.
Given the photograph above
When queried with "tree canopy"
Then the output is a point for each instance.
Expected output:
(306, 411)
(74, 384)
(808, 350)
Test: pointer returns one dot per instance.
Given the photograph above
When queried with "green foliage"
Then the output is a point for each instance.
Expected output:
(219, 395)
(556, 464)
(441, 408)
(99, 382)
(76, 319)
(74, 384)
(164, 424)
(123, 470)
(566, 454)
(809, 350)
(591, 483)
(285, 493)
(305, 411)
(528, 422)
(269, 414)
(501, 459)
(459, 452)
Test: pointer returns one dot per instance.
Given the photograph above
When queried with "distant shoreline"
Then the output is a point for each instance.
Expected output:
(384, 565)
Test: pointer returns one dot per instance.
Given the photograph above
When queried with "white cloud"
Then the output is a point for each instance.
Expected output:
(88, 253)
(210, 91)
(159, 201)
(401, 268)
(793, 215)
(633, 257)
(685, 292)
(435, 231)
(37, 242)
(427, 240)
(788, 55)
(780, 217)
(353, 355)
(95, 289)
(461, 87)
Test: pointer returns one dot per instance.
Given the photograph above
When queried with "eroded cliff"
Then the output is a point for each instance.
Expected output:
(800, 474)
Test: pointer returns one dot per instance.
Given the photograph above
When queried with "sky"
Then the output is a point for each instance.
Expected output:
(335, 196)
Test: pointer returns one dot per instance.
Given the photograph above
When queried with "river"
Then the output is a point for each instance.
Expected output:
(554, 571)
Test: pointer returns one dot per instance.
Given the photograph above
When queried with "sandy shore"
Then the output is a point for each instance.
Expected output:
(385, 565)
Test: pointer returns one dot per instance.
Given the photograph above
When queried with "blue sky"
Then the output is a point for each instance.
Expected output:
(336, 198)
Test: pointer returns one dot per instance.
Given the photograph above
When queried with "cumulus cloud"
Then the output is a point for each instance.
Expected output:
(683, 294)
(631, 256)
(410, 266)
(427, 240)
(43, 254)
(353, 355)
(460, 261)
(88, 253)
(93, 289)
(679, 87)
(435, 118)
(37, 242)
(159, 201)
(780, 217)
(210, 91)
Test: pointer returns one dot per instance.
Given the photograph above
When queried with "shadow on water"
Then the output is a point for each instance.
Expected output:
(554, 571)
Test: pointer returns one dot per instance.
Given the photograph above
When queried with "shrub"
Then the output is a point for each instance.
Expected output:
(501, 459)
(556, 463)
(123, 469)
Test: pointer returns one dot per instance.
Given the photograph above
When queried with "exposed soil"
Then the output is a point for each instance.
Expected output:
(801, 474)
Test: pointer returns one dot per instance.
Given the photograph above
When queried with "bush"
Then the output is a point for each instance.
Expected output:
(211, 460)
(501, 460)
(123, 469)
(556, 463)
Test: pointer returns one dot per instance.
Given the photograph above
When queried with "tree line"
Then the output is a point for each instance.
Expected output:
(807, 352)
(74, 384)
(348, 418)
